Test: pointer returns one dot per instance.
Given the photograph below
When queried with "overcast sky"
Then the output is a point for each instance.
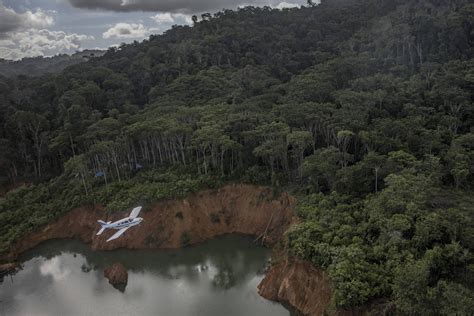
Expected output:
(48, 27)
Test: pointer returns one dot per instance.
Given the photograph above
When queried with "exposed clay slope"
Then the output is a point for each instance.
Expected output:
(244, 209)
(297, 283)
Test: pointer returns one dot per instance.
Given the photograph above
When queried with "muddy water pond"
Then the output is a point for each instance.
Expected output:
(215, 278)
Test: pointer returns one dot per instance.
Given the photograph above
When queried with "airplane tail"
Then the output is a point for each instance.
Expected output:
(104, 226)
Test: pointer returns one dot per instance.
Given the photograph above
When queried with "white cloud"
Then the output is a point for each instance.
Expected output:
(13, 21)
(39, 19)
(6, 42)
(185, 18)
(163, 18)
(55, 268)
(126, 30)
(44, 42)
(287, 5)
(173, 18)
(24, 34)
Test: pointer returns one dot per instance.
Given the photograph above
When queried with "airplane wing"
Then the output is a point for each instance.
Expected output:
(118, 234)
(135, 212)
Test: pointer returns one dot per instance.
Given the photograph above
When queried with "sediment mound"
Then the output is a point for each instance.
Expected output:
(117, 276)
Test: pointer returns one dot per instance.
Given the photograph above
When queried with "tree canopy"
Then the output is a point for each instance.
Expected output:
(364, 108)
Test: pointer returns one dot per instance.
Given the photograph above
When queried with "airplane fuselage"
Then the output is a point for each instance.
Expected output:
(125, 222)
(121, 225)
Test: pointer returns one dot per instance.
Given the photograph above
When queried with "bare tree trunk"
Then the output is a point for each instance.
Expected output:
(72, 145)
(222, 162)
(114, 155)
(84, 183)
(376, 179)
(420, 52)
(205, 162)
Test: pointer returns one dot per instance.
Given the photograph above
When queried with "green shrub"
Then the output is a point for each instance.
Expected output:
(185, 239)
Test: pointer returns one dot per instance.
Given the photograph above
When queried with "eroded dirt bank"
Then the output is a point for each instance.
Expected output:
(297, 283)
(237, 208)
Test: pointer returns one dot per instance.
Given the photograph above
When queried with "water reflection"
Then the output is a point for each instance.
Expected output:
(218, 277)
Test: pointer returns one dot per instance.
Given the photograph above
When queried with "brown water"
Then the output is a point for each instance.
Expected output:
(216, 278)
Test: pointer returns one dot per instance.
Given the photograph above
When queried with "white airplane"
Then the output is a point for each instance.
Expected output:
(122, 225)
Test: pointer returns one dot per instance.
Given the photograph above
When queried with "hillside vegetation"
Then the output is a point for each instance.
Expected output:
(37, 66)
(362, 108)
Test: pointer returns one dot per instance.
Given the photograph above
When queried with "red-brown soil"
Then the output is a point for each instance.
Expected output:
(237, 208)
(297, 283)
(242, 209)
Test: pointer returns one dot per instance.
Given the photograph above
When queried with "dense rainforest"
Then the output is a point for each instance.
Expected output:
(363, 109)
(36, 66)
